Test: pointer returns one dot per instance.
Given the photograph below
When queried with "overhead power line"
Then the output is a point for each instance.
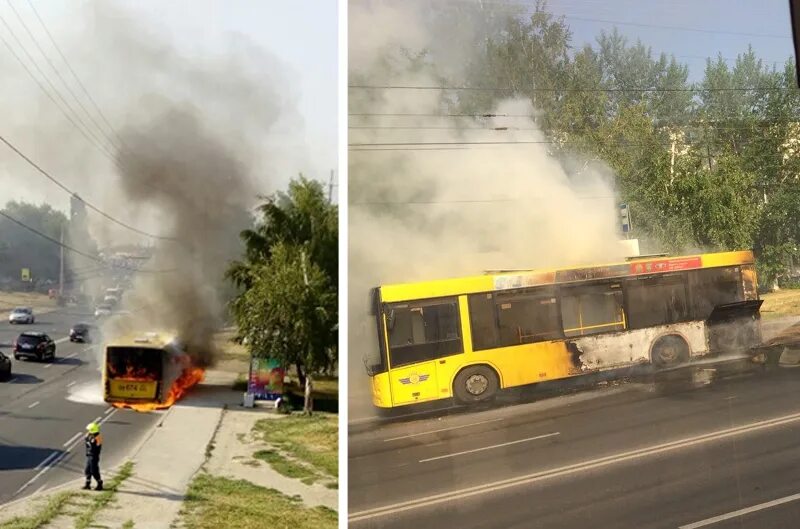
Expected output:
(71, 192)
(78, 252)
(58, 74)
(75, 75)
(98, 142)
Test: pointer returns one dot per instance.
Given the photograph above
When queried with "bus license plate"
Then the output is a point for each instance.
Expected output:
(133, 390)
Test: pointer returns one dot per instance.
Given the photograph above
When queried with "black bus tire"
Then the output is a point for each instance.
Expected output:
(669, 351)
(476, 384)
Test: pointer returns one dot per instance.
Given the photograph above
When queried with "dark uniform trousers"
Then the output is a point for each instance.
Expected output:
(94, 443)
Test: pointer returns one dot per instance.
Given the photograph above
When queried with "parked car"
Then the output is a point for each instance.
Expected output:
(22, 315)
(5, 367)
(81, 332)
(34, 344)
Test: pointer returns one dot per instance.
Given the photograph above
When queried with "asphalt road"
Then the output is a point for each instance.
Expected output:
(41, 443)
(712, 446)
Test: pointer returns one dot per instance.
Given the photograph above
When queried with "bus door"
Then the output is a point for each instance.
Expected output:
(420, 333)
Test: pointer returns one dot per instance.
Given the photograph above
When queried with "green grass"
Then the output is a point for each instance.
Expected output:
(312, 440)
(213, 502)
(287, 467)
(54, 506)
(100, 501)
(128, 525)
(781, 303)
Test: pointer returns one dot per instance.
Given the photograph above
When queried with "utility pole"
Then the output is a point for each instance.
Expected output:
(330, 188)
(61, 265)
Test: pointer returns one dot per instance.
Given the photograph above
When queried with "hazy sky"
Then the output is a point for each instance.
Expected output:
(696, 28)
(299, 35)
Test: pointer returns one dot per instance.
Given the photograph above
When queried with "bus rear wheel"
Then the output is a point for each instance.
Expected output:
(669, 351)
(475, 384)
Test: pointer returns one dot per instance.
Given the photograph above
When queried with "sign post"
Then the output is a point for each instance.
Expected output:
(625, 219)
(26, 274)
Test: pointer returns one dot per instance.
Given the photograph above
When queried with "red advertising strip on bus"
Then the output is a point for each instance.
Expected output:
(665, 265)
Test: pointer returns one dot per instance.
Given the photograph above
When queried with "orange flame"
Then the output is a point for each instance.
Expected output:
(189, 377)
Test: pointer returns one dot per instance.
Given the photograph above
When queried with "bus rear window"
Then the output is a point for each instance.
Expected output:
(420, 331)
(134, 363)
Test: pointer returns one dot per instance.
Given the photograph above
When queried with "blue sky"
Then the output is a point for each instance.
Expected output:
(728, 26)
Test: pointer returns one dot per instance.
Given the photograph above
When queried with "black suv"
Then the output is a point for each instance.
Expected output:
(35, 345)
(81, 332)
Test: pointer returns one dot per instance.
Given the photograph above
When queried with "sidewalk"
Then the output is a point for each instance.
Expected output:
(170, 457)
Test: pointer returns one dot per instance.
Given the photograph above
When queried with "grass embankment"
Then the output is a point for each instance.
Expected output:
(302, 447)
(35, 300)
(83, 511)
(781, 304)
(213, 502)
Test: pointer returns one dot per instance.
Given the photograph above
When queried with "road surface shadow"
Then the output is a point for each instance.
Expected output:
(73, 361)
(22, 378)
(24, 457)
(681, 383)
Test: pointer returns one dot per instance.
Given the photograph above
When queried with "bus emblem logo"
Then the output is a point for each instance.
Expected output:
(414, 378)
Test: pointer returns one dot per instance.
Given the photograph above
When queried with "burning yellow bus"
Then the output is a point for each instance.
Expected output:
(470, 337)
(147, 372)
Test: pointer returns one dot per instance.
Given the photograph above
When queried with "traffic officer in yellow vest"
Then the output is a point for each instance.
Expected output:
(94, 444)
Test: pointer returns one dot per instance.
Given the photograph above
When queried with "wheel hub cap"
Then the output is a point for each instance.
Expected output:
(477, 384)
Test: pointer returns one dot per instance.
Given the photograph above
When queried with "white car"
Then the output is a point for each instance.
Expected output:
(102, 310)
(22, 315)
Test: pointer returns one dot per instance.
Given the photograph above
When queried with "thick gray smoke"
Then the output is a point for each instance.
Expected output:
(197, 130)
(450, 204)
(201, 190)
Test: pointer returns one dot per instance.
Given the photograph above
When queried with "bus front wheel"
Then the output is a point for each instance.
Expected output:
(669, 351)
(475, 384)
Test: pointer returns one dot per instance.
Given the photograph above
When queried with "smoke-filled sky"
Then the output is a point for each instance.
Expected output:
(448, 203)
(262, 76)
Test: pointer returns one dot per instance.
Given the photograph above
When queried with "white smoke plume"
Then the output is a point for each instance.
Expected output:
(451, 204)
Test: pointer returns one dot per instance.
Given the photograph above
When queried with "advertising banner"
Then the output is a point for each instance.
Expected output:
(266, 379)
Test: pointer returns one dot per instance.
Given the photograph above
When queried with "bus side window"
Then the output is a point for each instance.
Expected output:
(658, 300)
(713, 287)
(592, 309)
(424, 330)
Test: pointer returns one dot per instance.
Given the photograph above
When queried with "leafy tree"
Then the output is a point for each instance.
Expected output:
(287, 308)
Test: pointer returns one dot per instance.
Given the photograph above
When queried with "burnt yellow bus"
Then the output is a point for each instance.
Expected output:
(141, 371)
(470, 337)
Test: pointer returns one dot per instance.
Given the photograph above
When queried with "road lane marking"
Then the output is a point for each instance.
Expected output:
(741, 512)
(68, 356)
(33, 405)
(40, 489)
(72, 438)
(47, 460)
(71, 384)
(441, 430)
(107, 417)
(490, 447)
(572, 469)
(53, 463)
(109, 410)
(62, 340)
